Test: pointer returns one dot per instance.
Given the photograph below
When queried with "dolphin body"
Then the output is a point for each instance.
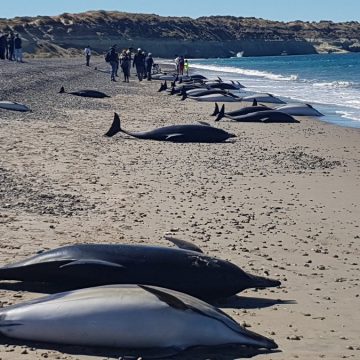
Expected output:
(14, 106)
(85, 93)
(126, 316)
(199, 133)
(290, 109)
(267, 116)
(184, 269)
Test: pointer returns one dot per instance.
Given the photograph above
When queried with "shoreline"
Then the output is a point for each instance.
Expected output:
(281, 201)
(333, 96)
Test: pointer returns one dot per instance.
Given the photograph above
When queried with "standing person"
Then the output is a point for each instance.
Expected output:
(186, 67)
(18, 48)
(112, 57)
(125, 63)
(144, 64)
(139, 63)
(181, 65)
(87, 53)
(11, 47)
(2, 46)
(149, 62)
(177, 59)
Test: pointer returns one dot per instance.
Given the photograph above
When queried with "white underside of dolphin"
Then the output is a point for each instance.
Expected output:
(10, 105)
(125, 316)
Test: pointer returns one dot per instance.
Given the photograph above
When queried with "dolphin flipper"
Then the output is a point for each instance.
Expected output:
(92, 262)
(173, 136)
(203, 123)
(182, 244)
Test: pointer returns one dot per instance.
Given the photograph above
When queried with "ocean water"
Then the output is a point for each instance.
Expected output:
(330, 82)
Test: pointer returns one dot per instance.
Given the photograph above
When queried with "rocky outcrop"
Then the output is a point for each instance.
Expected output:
(215, 36)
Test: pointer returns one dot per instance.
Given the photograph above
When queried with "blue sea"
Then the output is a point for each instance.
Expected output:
(330, 82)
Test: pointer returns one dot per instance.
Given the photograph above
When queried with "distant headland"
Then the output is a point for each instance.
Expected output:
(214, 36)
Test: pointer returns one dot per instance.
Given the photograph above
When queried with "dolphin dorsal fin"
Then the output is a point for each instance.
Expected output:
(182, 244)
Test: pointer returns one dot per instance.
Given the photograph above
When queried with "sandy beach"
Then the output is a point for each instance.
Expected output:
(279, 200)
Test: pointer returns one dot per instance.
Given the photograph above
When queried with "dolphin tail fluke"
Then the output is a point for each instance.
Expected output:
(184, 96)
(216, 110)
(221, 113)
(115, 126)
(62, 90)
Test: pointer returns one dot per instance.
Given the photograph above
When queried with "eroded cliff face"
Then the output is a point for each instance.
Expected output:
(216, 36)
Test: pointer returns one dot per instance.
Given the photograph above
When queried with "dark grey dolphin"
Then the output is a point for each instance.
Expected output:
(184, 269)
(243, 111)
(267, 116)
(199, 133)
(202, 92)
(85, 93)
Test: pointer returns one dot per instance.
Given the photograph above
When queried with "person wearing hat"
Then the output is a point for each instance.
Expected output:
(138, 62)
(149, 62)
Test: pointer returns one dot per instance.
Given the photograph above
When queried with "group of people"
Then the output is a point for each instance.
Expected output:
(181, 65)
(11, 47)
(141, 61)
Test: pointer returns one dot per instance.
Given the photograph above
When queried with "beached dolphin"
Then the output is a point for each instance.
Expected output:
(186, 87)
(243, 111)
(299, 110)
(266, 98)
(126, 316)
(199, 133)
(267, 116)
(218, 96)
(290, 109)
(202, 92)
(85, 93)
(183, 268)
(10, 105)
(229, 85)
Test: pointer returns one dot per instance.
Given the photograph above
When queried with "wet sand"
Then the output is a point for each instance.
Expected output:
(281, 200)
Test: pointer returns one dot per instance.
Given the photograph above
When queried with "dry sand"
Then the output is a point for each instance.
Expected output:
(281, 200)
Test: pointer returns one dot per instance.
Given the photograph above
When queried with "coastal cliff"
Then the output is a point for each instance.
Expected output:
(215, 36)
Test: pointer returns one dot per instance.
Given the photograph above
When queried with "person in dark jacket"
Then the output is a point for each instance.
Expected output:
(125, 63)
(11, 47)
(18, 48)
(139, 63)
(112, 57)
(2, 46)
(149, 62)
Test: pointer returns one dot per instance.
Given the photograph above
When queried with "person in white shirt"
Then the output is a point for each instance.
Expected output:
(87, 53)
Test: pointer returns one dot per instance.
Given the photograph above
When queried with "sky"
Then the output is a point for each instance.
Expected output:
(282, 10)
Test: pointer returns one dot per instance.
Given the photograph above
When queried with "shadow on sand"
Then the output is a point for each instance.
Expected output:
(242, 302)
